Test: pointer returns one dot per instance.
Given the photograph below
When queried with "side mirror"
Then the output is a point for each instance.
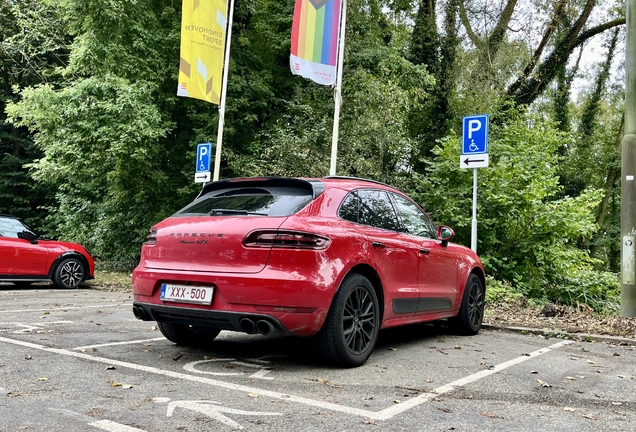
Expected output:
(28, 235)
(445, 234)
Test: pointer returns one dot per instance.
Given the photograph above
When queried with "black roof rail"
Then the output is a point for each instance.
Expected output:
(356, 178)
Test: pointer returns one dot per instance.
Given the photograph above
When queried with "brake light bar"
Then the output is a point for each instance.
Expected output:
(286, 239)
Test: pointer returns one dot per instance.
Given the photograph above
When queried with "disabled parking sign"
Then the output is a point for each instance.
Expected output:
(474, 142)
(475, 136)
(202, 169)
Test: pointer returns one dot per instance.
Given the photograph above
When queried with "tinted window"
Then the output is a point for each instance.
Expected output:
(349, 208)
(11, 227)
(376, 210)
(415, 220)
(273, 201)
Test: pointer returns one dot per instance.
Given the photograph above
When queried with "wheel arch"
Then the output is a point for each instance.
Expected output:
(70, 254)
(369, 272)
(481, 275)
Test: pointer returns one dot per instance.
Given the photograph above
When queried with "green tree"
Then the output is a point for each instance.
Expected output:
(32, 46)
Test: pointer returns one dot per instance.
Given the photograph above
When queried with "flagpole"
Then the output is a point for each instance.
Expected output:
(338, 90)
(226, 67)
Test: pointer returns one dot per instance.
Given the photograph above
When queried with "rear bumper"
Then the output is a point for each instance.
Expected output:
(288, 302)
(235, 321)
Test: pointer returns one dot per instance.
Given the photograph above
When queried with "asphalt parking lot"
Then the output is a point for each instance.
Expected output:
(77, 360)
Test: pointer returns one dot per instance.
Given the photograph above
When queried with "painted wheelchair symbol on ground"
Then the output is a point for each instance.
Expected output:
(211, 409)
(262, 364)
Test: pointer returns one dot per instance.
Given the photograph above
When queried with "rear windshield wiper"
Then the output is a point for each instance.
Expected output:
(220, 212)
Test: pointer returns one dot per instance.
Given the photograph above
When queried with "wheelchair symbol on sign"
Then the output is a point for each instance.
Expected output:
(202, 167)
(473, 147)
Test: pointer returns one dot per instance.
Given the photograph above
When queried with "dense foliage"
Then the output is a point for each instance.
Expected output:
(96, 147)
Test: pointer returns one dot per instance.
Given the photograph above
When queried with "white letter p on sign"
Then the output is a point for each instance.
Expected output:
(202, 152)
(473, 126)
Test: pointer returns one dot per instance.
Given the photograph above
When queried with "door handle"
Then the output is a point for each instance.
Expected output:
(378, 245)
(424, 251)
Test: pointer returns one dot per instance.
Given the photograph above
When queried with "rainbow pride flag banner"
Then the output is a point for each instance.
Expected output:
(314, 41)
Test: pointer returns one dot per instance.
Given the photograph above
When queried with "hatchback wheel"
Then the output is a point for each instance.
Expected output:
(187, 335)
(471, 312)
(350, 331)
(70, 273)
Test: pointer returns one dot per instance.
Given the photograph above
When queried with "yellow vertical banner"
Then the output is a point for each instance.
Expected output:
(203, 26)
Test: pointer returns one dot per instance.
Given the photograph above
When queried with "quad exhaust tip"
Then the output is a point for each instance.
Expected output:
(264, 327)
(247, 325)
(140, 313)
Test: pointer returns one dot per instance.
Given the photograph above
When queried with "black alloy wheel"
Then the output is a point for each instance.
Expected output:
(359, 320)
(350, 331)
(471, 312)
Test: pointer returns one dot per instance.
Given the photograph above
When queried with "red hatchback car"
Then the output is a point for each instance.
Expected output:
(335, 258)
(26, 258)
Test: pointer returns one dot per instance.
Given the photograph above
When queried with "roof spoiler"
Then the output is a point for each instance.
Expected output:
(316, 186)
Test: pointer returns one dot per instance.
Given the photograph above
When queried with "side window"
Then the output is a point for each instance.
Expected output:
(376, 210)
(349, 208)
(10, 228)
(416, 222)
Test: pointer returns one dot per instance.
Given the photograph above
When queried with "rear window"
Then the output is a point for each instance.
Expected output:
(270, 201)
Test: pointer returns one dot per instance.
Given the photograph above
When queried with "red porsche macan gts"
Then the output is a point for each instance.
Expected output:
(335, 258)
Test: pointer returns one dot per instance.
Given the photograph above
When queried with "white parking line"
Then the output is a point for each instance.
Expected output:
(111, 426)
(384, 414)
(118, 343)
(397, 409)
(62, 308)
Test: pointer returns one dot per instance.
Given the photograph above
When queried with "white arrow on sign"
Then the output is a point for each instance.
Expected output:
(473, 161)
(202, 177)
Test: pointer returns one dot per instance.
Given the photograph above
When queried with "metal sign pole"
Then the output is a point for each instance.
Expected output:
(226, 67)
(473, 235)
(338, 91)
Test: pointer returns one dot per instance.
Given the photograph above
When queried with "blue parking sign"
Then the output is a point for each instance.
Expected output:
(204, 153)
(475, 134)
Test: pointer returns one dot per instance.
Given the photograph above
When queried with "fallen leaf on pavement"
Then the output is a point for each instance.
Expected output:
(569, 409)
(544, 384)
(491, 415)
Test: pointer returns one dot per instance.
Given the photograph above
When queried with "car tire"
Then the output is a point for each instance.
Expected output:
(187, 335)
(70, 273)
(471, 312)
(350, 331)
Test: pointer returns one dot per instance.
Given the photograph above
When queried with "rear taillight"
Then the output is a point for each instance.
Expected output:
(286, 239)
(152, 237)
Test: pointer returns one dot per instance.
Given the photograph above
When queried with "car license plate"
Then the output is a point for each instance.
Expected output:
(186, 294)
